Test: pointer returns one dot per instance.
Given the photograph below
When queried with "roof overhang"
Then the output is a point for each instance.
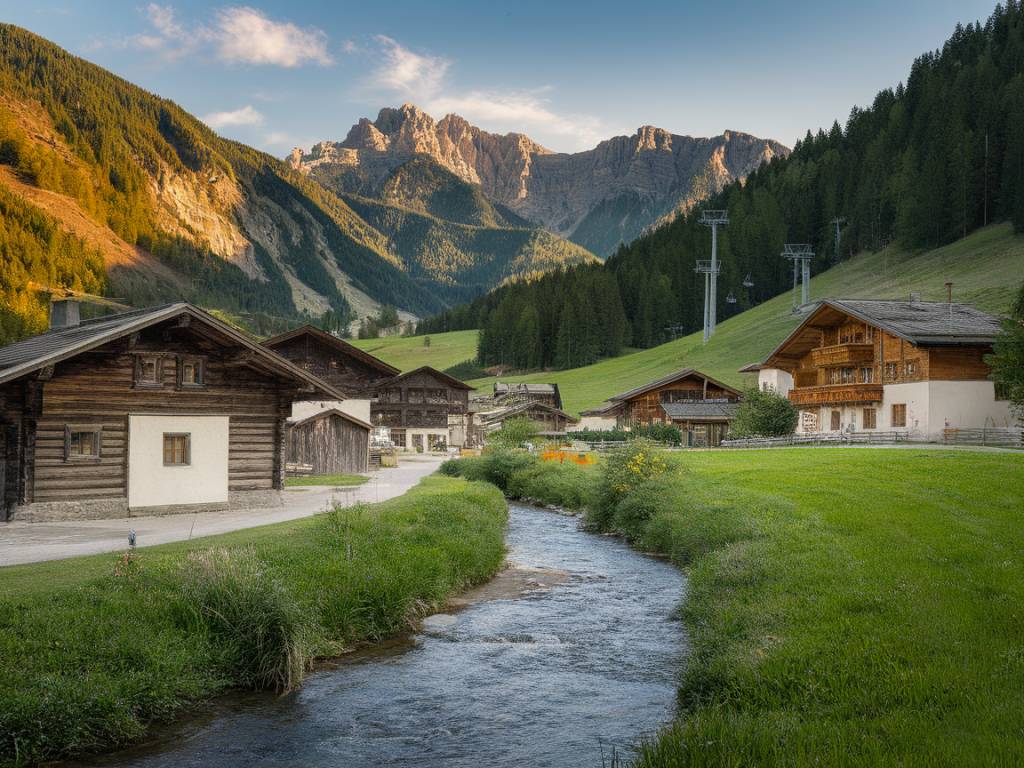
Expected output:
(664, 381)
(340, 345)
(330, 412)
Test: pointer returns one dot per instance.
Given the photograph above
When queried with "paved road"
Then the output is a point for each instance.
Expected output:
(32, 542)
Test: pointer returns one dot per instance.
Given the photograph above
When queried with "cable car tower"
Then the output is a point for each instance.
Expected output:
(710, 270)
(800, 254)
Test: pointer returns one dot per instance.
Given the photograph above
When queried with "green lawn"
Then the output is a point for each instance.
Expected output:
(92, 649)
(406, 354)
(986, 268)
(340, 480)
(845, 607)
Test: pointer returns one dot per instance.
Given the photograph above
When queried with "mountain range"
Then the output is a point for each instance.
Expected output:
(599, 198)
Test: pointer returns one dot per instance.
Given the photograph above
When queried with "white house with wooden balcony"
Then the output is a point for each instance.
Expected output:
(906, 366)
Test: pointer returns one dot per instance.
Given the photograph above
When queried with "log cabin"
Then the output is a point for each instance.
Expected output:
(329, 442)
(699, 405)
(906, 366)
(424, 409)
(150, 411)
(550, 421)
(511, 393)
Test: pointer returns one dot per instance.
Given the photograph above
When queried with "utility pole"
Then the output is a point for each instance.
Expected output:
(837, 221)
(710, 270)
(800, 254)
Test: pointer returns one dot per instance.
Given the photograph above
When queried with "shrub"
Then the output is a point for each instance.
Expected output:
(561, 485)
(625, 470)
(255, 624)
(514, 433)
(467, 370)
(640, 505)
(764, 413)
(662, 433)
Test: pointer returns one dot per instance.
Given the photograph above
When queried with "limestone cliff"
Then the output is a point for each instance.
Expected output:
(597, 198)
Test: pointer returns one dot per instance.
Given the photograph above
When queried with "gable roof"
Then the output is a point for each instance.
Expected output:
(339, 345)
(32, 354)
(928, 323)
(330, 412)
(701, 411)
(601, 410)
(685, 373)
(514, 410)
(451, 381)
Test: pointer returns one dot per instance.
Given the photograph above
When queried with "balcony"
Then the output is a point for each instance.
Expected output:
(836, 394)
(843, 354)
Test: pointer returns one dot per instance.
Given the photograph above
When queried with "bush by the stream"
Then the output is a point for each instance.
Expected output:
(93, 649)
(659, 433)
(495, 466)
(561, 485)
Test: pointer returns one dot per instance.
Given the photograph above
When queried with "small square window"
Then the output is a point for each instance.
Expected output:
(148, 371)
(177, 449)
(82, 443)
(190, 372)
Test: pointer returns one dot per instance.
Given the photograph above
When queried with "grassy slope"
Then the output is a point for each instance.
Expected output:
(445, 350)
(846, 607)
(88, 658)
(986, 268)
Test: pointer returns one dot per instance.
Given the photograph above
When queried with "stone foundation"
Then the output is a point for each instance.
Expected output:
(107, 509)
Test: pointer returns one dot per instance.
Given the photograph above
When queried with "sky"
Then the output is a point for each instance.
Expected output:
(277, 75)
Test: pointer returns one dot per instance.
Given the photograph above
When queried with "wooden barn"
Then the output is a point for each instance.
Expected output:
(700, 406)
(329, 442)
(906, 366)
(150, 411)
(423, 409)
(550, 421)
(515, 392)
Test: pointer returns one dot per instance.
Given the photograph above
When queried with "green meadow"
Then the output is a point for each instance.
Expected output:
(407, 353)
(93, 649)
(845, 607)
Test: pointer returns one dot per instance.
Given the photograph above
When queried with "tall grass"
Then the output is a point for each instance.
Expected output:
(93, 649)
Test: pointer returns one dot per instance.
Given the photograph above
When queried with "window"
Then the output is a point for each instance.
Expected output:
(890, 371)
(836, 421)
(867, 375)
(899, 414)
(910, 368)
(869, 418)
(177, 449)
(190, 372)
(148, 371)
(82, 443)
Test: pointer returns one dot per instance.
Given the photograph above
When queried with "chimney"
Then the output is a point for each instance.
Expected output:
(949, 291)
(64, 313)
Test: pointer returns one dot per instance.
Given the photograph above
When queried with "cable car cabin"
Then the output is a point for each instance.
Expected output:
(151, 411)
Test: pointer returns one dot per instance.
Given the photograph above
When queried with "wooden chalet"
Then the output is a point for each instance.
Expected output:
(511, 393)
(700, 406)
(550, 421)
(329, 442)
(912, 366)
(156, 410)
(423, 409)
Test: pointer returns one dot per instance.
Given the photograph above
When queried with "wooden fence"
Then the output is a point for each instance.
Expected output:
(823, 438)
(1011, 437)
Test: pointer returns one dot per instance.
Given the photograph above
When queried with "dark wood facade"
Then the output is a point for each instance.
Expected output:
(421, 399)
(330, 442)
(348, 369)
(549, 420)
(194, 366)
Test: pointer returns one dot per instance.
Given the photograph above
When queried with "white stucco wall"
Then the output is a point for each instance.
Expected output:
(595, 423)
(776, 379)
(203, 481)
(302, 409)
(915, 395)
(969, 404)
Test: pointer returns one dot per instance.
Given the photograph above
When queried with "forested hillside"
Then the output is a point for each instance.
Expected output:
(928, 162)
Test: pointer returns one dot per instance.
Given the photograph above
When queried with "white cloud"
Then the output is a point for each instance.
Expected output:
(249, 36)
(237, 35)
(244, 116)
(424, 79)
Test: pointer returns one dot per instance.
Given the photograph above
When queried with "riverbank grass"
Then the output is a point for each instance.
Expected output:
(340, 480)
(93, 649)
(846, 607)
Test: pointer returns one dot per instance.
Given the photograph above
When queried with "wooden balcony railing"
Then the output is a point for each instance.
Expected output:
(843, 354)
(836, 394)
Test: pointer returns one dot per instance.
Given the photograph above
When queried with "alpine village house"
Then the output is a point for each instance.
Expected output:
(418, 410)
(906, 366)
(164, 409)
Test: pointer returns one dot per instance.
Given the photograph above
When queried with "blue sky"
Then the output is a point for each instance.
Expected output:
(284, 74)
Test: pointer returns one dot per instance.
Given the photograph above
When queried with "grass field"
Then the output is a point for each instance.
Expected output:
(93, 649)
(986, 268)
(845, 607)
(338, 480)
(407, 353)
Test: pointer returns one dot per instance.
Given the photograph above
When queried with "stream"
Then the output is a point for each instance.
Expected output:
(579, 659)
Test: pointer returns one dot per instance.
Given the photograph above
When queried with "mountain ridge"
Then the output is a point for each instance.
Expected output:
(597, 198)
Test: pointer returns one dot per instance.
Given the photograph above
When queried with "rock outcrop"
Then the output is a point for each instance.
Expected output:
(639, 179)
